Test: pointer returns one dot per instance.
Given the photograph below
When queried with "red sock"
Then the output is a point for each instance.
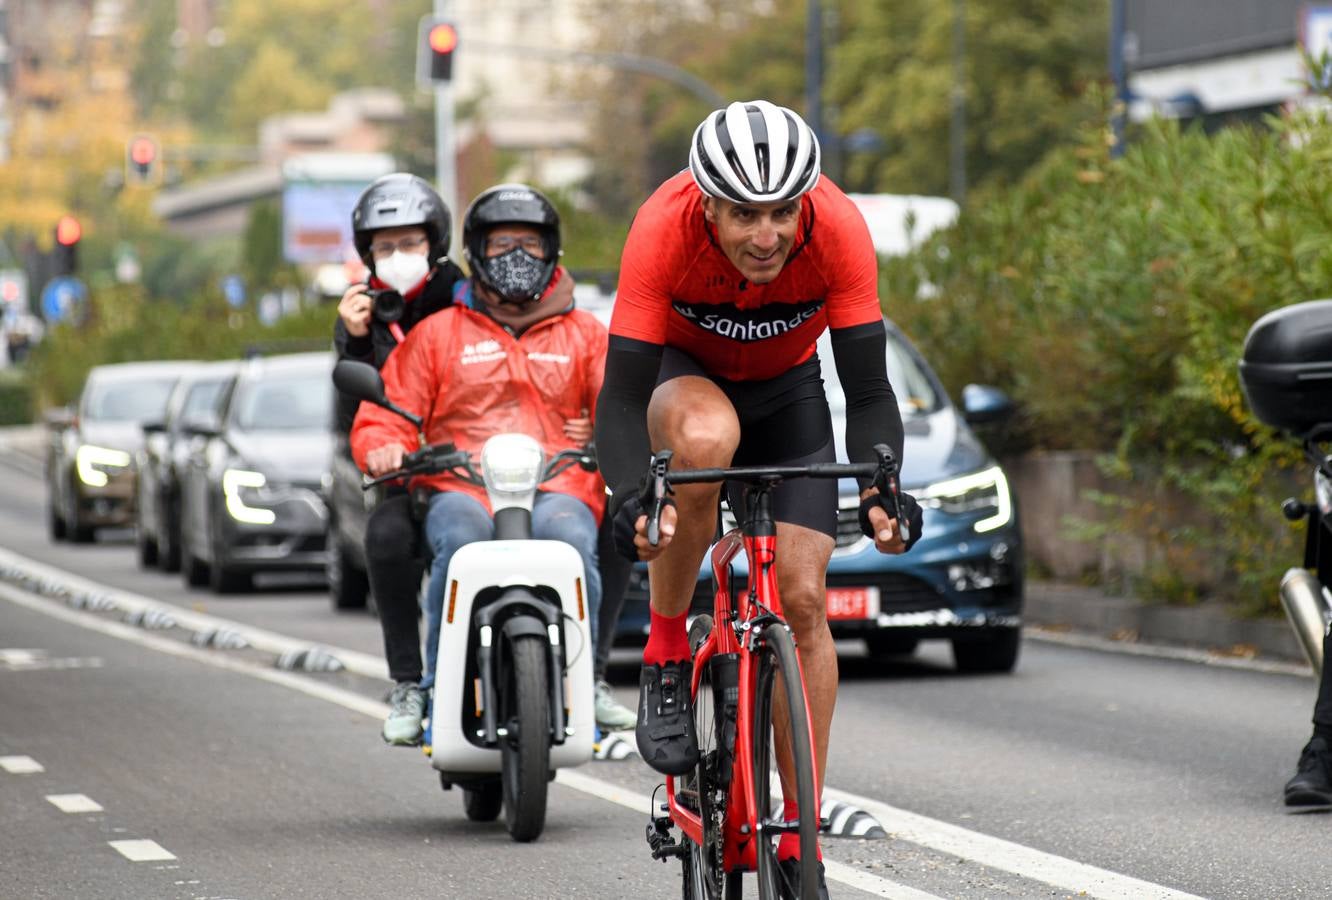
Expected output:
(788, 845)
(668, 639)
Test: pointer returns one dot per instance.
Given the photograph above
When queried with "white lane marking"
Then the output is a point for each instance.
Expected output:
(353, 660)
(74, 803)
(20, 765)
(1006, 856)
(1079, 878)
(141, 851)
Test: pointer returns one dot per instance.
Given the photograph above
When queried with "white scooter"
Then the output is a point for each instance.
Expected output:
(513, 697)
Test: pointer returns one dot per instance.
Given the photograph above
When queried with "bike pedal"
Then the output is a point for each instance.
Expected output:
(660, 841)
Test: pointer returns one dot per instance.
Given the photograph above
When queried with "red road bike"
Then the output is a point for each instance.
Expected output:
(746, 680)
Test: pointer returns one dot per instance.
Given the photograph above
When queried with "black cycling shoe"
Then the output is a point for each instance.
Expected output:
(665, 730)
(790, 886)
(1312, 784)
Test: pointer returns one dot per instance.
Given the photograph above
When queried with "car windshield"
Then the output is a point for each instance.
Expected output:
(285, 402)
(914, 388)
(127, 400)
(202, 398)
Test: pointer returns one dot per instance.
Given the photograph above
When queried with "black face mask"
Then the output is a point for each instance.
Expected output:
(517, 276)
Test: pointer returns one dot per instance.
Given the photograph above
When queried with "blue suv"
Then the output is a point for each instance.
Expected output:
(963, 579)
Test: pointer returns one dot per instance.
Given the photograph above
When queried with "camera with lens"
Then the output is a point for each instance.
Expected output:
(386, 305)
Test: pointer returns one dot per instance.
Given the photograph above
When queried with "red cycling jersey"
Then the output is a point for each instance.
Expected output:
(678, 289)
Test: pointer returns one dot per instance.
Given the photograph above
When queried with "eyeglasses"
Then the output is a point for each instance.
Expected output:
(532, 243)
(384, 249)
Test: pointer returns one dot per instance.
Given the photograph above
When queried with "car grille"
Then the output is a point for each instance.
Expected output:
(898, 592)
(848, 527)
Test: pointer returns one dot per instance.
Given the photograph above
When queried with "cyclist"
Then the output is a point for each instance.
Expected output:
(401, 229)
(730, 272)
(511, 354)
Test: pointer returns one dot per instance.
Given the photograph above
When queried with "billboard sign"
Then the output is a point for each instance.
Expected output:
(318, 194)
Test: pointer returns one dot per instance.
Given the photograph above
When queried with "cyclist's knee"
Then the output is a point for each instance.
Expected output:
(805, 606)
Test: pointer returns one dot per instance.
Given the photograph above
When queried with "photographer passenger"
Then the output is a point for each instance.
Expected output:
(402, 230)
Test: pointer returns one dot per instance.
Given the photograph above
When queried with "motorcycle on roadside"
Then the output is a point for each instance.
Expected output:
(1286, 376)
(513, 695)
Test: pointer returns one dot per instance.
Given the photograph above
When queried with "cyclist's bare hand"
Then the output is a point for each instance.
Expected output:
(384, 459)
(646, 551)
(354, 310)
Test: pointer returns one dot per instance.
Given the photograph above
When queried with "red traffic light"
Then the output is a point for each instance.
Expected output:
(443, 38)
(143, 151)
(68, 231)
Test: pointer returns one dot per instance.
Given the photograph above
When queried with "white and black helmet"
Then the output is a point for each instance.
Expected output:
(754, 152)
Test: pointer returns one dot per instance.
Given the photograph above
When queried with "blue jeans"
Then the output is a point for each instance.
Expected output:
(455, 519)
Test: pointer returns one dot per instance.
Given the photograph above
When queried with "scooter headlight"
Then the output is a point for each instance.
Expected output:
(511, 466)
(1323, 492)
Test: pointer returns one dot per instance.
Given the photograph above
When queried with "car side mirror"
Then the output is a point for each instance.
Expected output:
(205, 426)
(59, 418)
(983, 404)
(153, 427)
(363, 381)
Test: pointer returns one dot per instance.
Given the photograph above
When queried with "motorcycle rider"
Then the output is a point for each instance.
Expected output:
(511, 355)
(1312, 783)
(401, 230)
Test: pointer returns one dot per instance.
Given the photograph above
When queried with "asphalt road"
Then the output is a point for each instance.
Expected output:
(1084, 774)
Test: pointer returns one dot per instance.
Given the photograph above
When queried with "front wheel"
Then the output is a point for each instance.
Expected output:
(525, 713)
(779, 697)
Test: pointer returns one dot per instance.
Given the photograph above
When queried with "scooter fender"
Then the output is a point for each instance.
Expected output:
(503, 564)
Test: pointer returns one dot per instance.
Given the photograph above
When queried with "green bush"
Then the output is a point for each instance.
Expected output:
(1111, 298)
(16, 402)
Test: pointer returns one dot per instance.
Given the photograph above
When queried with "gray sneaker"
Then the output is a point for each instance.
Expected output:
(402, 728)
(611, 715)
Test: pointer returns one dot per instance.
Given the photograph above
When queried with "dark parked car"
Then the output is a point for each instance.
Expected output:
(166, 448)
(90, 475)
(251, 492)
(963, 580)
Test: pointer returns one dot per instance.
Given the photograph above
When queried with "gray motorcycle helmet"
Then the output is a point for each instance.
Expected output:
(396, 200)
(510, 204)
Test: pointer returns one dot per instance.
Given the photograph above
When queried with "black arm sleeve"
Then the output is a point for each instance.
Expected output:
(623, 448)
(872, 416)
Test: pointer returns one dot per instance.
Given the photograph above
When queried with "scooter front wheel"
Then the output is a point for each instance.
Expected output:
(525, 712)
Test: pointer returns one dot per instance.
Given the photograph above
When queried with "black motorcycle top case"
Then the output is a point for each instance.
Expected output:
(1286, 370)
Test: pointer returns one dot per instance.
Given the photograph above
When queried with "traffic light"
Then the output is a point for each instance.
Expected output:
(68, 231)
(438, 40)
(142, 160)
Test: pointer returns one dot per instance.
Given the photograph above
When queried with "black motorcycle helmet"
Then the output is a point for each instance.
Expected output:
(399, 199)
(510, 204)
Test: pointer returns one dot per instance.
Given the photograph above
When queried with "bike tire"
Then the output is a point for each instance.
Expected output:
(778, 676)
(525, 750)
(702, 876)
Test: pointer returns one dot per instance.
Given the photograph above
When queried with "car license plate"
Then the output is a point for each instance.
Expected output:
(853, 603)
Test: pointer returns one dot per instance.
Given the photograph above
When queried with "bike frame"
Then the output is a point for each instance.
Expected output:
(735, 629)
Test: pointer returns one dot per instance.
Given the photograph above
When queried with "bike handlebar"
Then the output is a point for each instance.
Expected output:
(884, 474)
(446, 457)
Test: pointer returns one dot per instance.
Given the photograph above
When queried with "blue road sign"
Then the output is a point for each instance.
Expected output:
(61, 296)
(233, 288)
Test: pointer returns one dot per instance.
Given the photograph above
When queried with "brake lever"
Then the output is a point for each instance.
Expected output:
(885, 479)
(660, 465)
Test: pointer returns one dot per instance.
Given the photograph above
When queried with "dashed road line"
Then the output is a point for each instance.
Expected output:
(20, 765)
(141, 850)
(74, 803)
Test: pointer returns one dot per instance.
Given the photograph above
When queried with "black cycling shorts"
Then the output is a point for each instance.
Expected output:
(784, 421)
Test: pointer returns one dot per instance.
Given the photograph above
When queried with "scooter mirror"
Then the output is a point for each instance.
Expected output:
(362, 381)
(359, 380)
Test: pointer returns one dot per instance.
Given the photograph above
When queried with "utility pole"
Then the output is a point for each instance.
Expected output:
(1119, 76)
(814, 69)
(446, 147)
(957, 132)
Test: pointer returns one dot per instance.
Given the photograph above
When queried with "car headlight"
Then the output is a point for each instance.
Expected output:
(1323, 492)
(95, 463)
(985, 490)
(241, 488)
(511, 466)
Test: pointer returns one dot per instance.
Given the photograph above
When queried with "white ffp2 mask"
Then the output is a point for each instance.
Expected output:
(403, 272)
